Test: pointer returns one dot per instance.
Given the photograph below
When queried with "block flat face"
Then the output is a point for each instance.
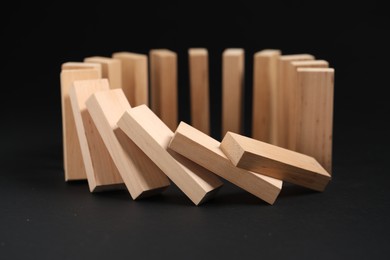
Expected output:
(138, 172)
(152, 136)
(81, 65)
(273, 161)
(111, 69)
(204, 150)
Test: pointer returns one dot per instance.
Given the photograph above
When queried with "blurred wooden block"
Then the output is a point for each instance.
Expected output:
(73, 162)
(204, 150)
(232, 90)
(163, 79)
(81, 65)
(152, 136)
(141, 176)
(264, 94)
(199, 89)
(134, 77)
(111, 69)
(273, 161)
(101, 171)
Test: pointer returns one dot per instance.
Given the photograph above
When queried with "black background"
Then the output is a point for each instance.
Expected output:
(41, 216)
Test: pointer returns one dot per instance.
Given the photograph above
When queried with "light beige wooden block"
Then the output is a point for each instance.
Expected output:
(111, 69)
(205, 151)
(232, 90)
(73, 162)
(199, 89)
(81, 65)
(102, 173)
(134, 77)
(152, 136)
(264, 94)
(315, 114)
(141, 176)
(273, 161)
(163, 80)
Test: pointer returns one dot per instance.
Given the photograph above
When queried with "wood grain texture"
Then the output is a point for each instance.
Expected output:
(232, 90)
(73, 162)
(111, 69)
(141, 176)
(264, 94)
(273, 161)
(134, 77)
(101, 171)
(204, 150)
(163, 79)
(199, 89)
(81, 65)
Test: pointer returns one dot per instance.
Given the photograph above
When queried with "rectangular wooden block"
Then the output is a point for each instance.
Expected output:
(111, 69)
(199, 89)
(101, 171)
(134, 77)
(81, 65)
(152, 136)
(141, 176)
(163, 79)
(232, 90)
(204, 150)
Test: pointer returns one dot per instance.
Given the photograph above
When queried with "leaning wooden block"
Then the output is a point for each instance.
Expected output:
(277, 162)
(111, 69)
(152, 136)
(81, 65)
(101, 171)
(141, 176)
(204, 150)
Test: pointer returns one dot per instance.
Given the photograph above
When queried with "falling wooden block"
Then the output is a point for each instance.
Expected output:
(134, 77)
(141, 176)
(152, 136)
(81, 65)
(264, 94)
(101, 171)
(199, 89)
(111, 69)
(204, 150)
(163, 80)
(273, 161)
(73, 162)
(232, 89)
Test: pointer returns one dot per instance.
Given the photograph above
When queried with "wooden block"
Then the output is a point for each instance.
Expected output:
(134, 77)
(141, 176)
(264, 94)
(273, 161)
(81, 65)
(73, 162)
(199, 89)
(163, 79)
(205, 151)
(232, 90)
(151, 135)
(315, 114)
(111, 69)
(101, 171)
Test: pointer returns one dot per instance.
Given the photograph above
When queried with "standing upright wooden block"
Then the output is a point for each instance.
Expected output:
(163, 79)
(81, 65)
(199, 86)
(264, 94)
(134, 77)
(73, 161)
(101, 171)
(232, 90)
(111, 69)
(141, 176)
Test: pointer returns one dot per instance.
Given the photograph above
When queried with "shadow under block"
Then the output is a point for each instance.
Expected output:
(232, 89)
(111, 69)
(315, 114)
(134, 77)
(163, 86)
(73, 161)
(152, 136)
(102, 173)
(81, 65)
(141, 176)
(264, 94)
(276, 162)
(199, 89)
(204, 150)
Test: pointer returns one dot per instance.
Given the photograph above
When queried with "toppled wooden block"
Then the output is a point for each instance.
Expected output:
(111, 69)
